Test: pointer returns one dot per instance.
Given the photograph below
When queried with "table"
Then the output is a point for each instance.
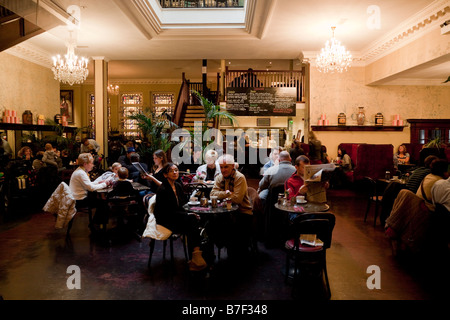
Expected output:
(204, 210)
(302, 208)
(136, 186)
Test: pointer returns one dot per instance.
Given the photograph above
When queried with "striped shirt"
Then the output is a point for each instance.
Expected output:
(416, 178)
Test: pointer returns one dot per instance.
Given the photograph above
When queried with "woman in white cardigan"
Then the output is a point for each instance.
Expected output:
(80, 184)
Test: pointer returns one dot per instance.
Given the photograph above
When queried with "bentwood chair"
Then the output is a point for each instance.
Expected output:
(374, 194)
(309, 261)
(157, 232)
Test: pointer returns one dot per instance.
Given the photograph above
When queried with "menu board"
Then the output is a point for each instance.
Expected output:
(261, 101)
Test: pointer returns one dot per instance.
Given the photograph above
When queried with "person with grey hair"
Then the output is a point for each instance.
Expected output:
(276, 175)
(232, 184)
(211, 169)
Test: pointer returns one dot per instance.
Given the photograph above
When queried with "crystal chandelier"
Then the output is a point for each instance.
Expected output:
(70, 69)
(333, 57)
(113, 90)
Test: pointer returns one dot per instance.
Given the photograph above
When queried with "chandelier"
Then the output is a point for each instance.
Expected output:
(113, 90)
(333, 57)
(70, 69)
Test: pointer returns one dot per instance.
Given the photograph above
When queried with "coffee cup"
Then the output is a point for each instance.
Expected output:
(193, 199)
(300, 199)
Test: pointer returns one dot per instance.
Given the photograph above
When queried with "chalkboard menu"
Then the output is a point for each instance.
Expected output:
(261, 101)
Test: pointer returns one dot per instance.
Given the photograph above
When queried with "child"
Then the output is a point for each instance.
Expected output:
(111, 175)
(50, 157)
(123, 187)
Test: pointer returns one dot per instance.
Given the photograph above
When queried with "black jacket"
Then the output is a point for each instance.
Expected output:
(167, 208)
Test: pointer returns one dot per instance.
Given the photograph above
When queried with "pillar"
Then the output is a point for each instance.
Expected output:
(101, 103)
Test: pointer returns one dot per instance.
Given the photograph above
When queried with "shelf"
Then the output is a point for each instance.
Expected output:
(357, 128)
(31, 127)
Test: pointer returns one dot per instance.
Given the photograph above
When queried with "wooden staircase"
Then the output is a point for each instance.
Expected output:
(192, 114)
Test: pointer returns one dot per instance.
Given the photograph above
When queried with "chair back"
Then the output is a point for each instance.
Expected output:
(319, 223)
(370, 186)
(252, 194)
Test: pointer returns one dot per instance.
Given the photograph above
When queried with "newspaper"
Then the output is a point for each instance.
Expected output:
(319, 172)
(141, 170)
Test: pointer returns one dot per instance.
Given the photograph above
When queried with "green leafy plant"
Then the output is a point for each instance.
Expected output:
(155, 131)
(435, 143)
(212, 112)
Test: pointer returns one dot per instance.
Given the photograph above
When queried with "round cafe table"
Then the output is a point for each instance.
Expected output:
(304, 207)
(202, 210)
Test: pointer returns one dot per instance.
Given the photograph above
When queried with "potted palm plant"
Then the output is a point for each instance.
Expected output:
(155, 130)
(212, 112)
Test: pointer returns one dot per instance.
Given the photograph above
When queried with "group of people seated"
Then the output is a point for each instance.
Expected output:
(428, 185)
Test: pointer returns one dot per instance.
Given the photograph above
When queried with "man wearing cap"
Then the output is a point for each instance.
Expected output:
(125, 160)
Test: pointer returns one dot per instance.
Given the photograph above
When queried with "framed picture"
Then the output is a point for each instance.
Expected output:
(66, 104)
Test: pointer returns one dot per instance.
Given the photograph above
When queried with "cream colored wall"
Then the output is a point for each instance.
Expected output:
(27, 86)
(345, 92)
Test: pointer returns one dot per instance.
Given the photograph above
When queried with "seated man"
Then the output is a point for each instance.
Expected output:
(124, 160)
(274, 159)
(232, 184)
(296, 184)
(276, 175)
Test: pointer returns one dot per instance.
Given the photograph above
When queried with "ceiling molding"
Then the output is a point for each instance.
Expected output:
(147, 15)
(411, 29)
(32, 54)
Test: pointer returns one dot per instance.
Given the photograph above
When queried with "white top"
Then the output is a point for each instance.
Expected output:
(80, 184)
(440, 193)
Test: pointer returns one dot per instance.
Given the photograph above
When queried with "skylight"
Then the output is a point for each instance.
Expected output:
(196, 18)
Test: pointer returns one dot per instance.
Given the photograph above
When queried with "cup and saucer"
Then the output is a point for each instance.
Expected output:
(193, 201)
(301, 200)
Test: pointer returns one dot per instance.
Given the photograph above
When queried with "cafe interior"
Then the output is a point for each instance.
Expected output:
(364, 76)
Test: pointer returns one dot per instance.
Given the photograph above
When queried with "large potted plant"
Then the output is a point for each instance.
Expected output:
(155, 130)
(212, 112)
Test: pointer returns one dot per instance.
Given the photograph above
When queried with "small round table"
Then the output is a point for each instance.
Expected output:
(304, 207)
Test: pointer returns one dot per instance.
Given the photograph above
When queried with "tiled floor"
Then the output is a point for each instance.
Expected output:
(34, 258)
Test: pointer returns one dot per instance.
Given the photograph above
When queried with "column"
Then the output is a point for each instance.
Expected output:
(101, 103)
(221, 87)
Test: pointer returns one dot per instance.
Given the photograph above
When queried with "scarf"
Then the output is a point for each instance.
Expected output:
(230, 180)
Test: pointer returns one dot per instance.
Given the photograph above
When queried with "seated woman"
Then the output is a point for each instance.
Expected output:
(169, 212)
(156, 177)
(339, 178)
(80, 184)
(211, 169)
(26, 155)
(439, 171)
(401, 157)
(345, 161)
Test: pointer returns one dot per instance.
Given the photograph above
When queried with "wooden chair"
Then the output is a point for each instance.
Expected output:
(159, 233)
(374, 194)
(309, 261)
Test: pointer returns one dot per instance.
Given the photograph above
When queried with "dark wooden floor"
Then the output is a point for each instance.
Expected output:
(34, 258)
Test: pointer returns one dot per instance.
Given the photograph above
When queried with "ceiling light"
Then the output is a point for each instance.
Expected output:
(333, 57)
(70, 69)
(113, 90)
